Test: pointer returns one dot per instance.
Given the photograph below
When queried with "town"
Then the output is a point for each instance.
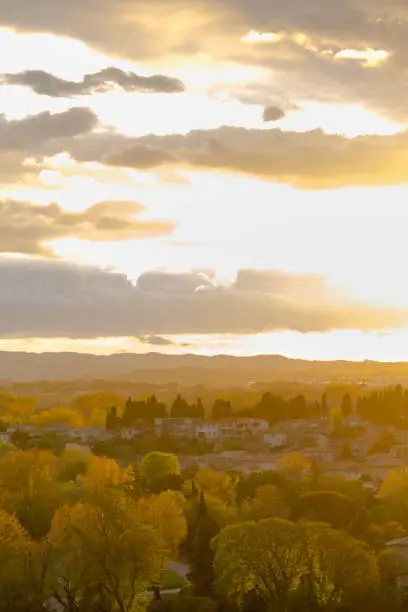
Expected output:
(340, 443)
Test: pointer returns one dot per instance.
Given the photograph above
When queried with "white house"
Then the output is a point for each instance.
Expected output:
(176, 428)
(128, 433)
(399, 451)
(275, 440)
(208, 430)
(243, 428)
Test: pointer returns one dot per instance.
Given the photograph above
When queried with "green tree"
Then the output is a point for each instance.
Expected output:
(104, 553)
(339, 568)
(268, 502)
(327, 506)
(155, 468)
(265, 556)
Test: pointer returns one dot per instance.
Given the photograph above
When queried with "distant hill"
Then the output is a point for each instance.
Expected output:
(190, 369)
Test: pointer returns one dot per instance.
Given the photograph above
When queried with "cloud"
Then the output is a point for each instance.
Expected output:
(273, 113)
(47, 84)
(298, 42)
(55, 299)
(27, 228)
(155, 340)
(33, 131)
(308, 160)
(141, 157)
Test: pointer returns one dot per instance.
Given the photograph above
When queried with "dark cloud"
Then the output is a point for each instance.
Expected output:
(26, 228)
(30, 133)
(47, 84)
(273, 113)
(141, 157)
(305, 160)
(54, 299)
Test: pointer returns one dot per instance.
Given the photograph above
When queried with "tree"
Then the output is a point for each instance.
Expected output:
(339, 568)
(112, 420)
(327, 506)
(94, 406)
(324, 406)
(29, 489)
(180, 409)
(248, 484)
(21, 568)
(20, 439)
(155, 468)
(201, 554)
(221, 409)
(57, 416)
(346, 406)
(104, 553)
(6, 448)
(336, 418)
(165, 516)
(268, 502)
(384, 443)
(217, 484)
(73, 463)
(264, 556)
(200, 409)
(104, 472)
(293, 465)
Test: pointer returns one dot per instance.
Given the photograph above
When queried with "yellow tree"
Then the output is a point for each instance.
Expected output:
(165, 516)
(217, 484)
(57, 416)
(29, 488)
(293, 465)
(268, 502)
(104, 472)
(265, 556)
(94, 406)
(104, 553)
(339, 568)
(21, 575)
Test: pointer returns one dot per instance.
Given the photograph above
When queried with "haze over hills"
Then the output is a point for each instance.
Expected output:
(189, 369)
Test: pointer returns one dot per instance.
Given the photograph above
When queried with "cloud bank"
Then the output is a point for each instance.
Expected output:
(54, 299)
(308, 160)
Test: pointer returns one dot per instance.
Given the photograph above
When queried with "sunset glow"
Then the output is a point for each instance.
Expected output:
(276, 154)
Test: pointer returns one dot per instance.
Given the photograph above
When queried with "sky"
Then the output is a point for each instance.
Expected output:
(211, 176)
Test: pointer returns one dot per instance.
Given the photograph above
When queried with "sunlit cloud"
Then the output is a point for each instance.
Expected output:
(255, 37)
(369, 57)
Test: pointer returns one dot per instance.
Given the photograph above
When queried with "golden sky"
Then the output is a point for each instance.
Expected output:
(231, 178)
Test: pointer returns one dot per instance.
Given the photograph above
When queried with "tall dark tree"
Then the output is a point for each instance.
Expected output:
(347, 406)
(201, 553)
(324, 406)
(112, 420)
(180, 408)
(200, 409)
(221, 409)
